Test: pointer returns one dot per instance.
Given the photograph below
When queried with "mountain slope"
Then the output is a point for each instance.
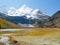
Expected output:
(51, 22)
(54, 21)
(24, 20)
(7, 24)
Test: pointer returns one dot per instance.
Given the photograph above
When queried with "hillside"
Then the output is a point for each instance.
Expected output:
(54, 20)
(6, 24)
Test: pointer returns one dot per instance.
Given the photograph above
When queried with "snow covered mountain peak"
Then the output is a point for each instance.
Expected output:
(23, 11)
(20, 12)
(26, 11)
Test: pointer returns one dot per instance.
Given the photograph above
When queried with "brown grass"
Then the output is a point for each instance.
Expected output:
(32, 32)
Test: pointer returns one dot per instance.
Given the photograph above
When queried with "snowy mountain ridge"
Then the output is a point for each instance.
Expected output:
(27, 11)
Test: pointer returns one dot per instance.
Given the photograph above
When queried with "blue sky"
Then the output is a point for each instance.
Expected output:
(49, 6)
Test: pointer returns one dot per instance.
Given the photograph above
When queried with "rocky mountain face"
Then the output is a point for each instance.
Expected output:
(53, 21)
(22, 20)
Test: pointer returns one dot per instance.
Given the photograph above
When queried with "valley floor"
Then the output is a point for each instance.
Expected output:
(36, 36)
